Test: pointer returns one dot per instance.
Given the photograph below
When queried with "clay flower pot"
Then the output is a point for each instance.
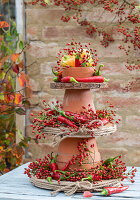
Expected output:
(74, 99)
(68, 148)
(78, 72)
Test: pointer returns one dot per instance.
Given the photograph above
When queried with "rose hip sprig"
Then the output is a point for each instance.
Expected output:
(43, 169)
(86, 55)
(54, 116)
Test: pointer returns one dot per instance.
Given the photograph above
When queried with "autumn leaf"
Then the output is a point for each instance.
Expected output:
(2, 61)
(18, 98)
(17, 151)
(9, 98)
(23, 78)
(6, 170)
(14, 57)
(15, 68)
(4, 24)
(19, 160)
(21, 65)
(1, 149)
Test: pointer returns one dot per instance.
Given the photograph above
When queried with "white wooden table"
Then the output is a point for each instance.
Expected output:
(15, 185)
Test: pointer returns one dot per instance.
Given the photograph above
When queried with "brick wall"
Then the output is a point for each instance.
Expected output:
(47, 34)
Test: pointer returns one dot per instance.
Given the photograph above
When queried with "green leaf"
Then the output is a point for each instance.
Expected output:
(2, 75)
(7, 142)
(84, 64)
(14, 24)
(137, 6)
(21, 45)
(24, 142)
(26, 103)
(20, 134)
(47, 1)
(2, 96)
(2, 166)
(20, 111)
(3, 117)
(3, 46)
(8, 38)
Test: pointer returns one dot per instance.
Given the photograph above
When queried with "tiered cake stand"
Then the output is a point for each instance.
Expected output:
(76, 96)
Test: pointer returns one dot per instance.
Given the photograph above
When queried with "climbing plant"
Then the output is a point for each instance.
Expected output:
(124, 17)
(12, 101)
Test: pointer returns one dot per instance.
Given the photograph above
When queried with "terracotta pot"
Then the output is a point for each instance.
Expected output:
(78, 72)
(68, 147)
(74, 99)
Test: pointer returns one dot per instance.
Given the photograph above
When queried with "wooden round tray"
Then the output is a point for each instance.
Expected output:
(59, 85)
(70, 188)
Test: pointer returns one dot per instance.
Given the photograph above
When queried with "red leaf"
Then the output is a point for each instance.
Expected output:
(15, 69)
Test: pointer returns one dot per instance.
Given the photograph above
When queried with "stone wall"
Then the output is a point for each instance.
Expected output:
(47, 34)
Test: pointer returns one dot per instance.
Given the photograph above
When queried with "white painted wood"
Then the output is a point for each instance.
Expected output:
(19, 15)
(15, 185)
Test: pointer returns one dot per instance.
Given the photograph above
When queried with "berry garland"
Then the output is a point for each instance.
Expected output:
(54, 116)
(112, 168)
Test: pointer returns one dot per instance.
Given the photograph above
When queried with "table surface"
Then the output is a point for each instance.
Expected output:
(15, 185)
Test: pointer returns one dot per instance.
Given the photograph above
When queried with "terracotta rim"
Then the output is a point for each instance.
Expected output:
(78, 72)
